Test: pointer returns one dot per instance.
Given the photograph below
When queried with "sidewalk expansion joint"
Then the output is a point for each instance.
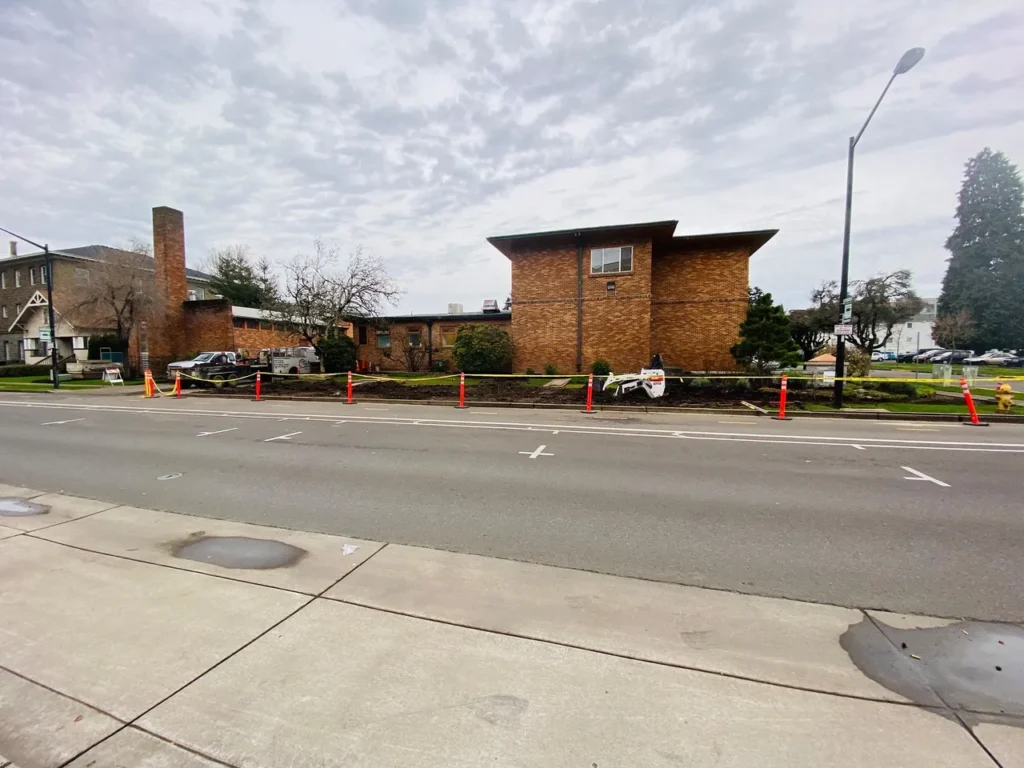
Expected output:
(629, 657)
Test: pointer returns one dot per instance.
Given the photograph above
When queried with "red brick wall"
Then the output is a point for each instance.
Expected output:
(254, 339)
(699, 300)
(616, 324)
(207, 328)
(395, 359)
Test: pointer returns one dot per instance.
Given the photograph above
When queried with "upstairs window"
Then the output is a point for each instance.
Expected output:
(3, 280)
(605, 260)
(42, 275)
(31, 275)
(384, 339)
(17, 278)
(415, 339)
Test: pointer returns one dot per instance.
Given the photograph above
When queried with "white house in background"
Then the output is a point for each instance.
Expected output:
(916, 333)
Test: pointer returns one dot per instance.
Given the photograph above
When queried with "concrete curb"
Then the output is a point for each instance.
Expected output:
(880, 416)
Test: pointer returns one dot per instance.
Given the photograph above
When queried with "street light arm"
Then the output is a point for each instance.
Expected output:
(25, 239)
(874, 109)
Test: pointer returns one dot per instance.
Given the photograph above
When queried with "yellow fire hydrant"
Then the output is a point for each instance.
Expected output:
(1004, 397)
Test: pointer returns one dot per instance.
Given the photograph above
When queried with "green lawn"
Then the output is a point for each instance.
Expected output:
(34, 383)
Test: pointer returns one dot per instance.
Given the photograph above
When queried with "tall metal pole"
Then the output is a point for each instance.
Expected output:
(49, 307)
(844, 279)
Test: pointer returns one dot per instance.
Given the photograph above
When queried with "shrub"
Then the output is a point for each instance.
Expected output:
(530, 372)
(600, 368)
(550, 370)
(796, 384)
(8, 371)
(483, 349)
(441, 366)
(741, 385)
(337, 354)
(903, 388)
(700, 383)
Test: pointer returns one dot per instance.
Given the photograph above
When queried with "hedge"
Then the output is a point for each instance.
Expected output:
(10, 371)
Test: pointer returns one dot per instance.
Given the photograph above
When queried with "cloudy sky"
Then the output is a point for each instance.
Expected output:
(419, 127)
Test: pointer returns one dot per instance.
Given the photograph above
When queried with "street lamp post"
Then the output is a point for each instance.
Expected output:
(49, 303)
(905, 64)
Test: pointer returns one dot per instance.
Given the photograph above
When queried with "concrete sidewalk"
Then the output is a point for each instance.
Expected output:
(118, 650)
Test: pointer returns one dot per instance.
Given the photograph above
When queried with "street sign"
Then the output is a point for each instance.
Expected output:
(843, 329)
(848, 310)
(44, 334)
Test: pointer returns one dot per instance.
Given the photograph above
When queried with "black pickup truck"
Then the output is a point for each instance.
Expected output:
(216, 369)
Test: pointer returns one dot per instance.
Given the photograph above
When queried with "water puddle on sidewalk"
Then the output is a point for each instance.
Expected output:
(239, 552)
(976, 668)
(15, 507)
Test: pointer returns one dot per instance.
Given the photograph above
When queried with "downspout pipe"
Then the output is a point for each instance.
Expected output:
(579, 302)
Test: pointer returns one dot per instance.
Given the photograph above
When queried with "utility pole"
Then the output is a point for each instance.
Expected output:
(49, 303)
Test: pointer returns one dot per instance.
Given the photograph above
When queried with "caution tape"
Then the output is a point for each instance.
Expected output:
(215, 381)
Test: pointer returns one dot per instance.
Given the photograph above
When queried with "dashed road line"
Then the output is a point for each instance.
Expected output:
(289, 436)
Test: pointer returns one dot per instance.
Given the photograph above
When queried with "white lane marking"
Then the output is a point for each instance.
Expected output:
(218, 432)
(289, 436)
(556, 432)
(858, 447)
(339, 422)
(923, 476)
(776, 438)
(538, 452)
(66, 421)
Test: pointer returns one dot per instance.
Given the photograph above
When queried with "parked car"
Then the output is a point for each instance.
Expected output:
(992, 357)
(878, 355)
(951, 356)
(908, 357)
(928, 354)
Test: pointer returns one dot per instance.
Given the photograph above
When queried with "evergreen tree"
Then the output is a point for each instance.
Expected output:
(765, 336)
(236, 278)
(985, 276)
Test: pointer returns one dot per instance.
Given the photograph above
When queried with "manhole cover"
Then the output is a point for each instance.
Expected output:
(972, 666)
(240, 552)
(15, 507)
(172, 476)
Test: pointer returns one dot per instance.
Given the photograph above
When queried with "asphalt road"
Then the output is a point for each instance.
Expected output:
(902, 516)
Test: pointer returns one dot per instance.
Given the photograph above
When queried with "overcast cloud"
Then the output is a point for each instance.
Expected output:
(419, 127)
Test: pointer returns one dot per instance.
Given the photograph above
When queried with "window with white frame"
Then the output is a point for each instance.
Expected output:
(17, 278)
(3, 281)
(5, 311)
(43, 276)
(30, 344)
(31, 275)
(383, 338)
(17, 309)
(606, 260)
(415, 339)
(78, 342)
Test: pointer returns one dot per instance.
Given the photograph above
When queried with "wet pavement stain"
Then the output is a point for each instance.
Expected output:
(239, 552)
(975, 668)
(14, 507)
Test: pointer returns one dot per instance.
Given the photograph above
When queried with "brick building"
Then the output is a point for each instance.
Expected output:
(24, 316)
(185, 325)
(416, 342)
(187, 316)
(623, 293)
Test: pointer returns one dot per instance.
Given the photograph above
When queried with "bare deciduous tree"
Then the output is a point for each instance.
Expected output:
(118, 292)
(879, 304)
(951, 328)
(322, 292)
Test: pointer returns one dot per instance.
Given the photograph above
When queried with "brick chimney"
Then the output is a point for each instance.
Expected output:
(167, 328)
